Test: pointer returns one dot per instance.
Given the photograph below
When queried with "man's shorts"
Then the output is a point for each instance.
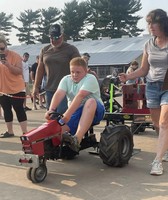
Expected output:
(74, 121)
(155, 96)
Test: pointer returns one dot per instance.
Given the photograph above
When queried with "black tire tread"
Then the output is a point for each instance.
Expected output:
(111, 145)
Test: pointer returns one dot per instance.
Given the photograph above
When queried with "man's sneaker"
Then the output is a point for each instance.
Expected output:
(34, 108)
(71, 141)
(42, 107)
(165, 157)
(157, 168)
(27, 108)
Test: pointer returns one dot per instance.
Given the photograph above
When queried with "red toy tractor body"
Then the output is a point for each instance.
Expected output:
(45, 143)
(33, 142)
(40, 145)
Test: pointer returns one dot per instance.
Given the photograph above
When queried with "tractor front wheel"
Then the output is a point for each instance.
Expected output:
(37, 175)
(28, 173)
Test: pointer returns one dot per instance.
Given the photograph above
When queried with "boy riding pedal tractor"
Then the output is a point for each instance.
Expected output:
(85, 107)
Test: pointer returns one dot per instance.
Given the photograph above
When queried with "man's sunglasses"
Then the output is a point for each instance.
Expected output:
(2, 48)
(55, 37)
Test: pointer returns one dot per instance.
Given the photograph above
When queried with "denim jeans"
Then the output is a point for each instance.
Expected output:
(154, 94)
(63, 105)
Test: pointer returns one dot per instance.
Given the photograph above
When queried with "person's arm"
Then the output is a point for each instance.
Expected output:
(39, 76)
(32, 76)
(75, 104)
(16, 68)
(56, 99)
(141, 72)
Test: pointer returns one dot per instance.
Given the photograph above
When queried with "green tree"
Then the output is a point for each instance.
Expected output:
(29, 20)
(6, 24)
(114, 18)
(73, 18)
(48, 17)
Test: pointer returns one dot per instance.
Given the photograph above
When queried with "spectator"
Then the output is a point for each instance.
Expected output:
(85, 105)
(26, 75)
(12, 87)
(41, 97)
(86, 57)
(154, 67)
(54, 61)
(134, 66)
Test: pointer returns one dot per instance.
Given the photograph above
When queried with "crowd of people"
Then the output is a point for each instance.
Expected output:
(72, 89)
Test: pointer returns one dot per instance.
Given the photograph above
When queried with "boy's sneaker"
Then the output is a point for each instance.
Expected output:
(157, 168)
(71, 141)
(165, 157)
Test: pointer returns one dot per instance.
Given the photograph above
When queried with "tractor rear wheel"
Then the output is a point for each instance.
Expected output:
(116, 145)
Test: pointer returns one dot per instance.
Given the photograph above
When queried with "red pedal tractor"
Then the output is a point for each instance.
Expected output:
(45, 143)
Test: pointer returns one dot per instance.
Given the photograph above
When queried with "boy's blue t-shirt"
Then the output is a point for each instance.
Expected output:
(88, 83)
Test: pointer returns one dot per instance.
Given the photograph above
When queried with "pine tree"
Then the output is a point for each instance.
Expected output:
(48, 17)
(29, 20)
(74, 16)
(6, 24)
(114, 18)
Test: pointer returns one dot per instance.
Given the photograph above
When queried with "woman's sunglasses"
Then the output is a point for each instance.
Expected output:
(2, 48)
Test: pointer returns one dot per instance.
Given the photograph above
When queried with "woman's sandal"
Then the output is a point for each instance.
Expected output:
(6, 135)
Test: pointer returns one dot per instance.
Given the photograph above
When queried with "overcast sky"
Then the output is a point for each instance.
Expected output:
(15, 7)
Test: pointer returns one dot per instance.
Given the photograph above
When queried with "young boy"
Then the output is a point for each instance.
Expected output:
(85, 106)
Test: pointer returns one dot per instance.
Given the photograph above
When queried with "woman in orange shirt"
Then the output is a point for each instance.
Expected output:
(12, 88)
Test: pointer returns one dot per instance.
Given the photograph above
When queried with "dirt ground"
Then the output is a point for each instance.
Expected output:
(84, 178)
